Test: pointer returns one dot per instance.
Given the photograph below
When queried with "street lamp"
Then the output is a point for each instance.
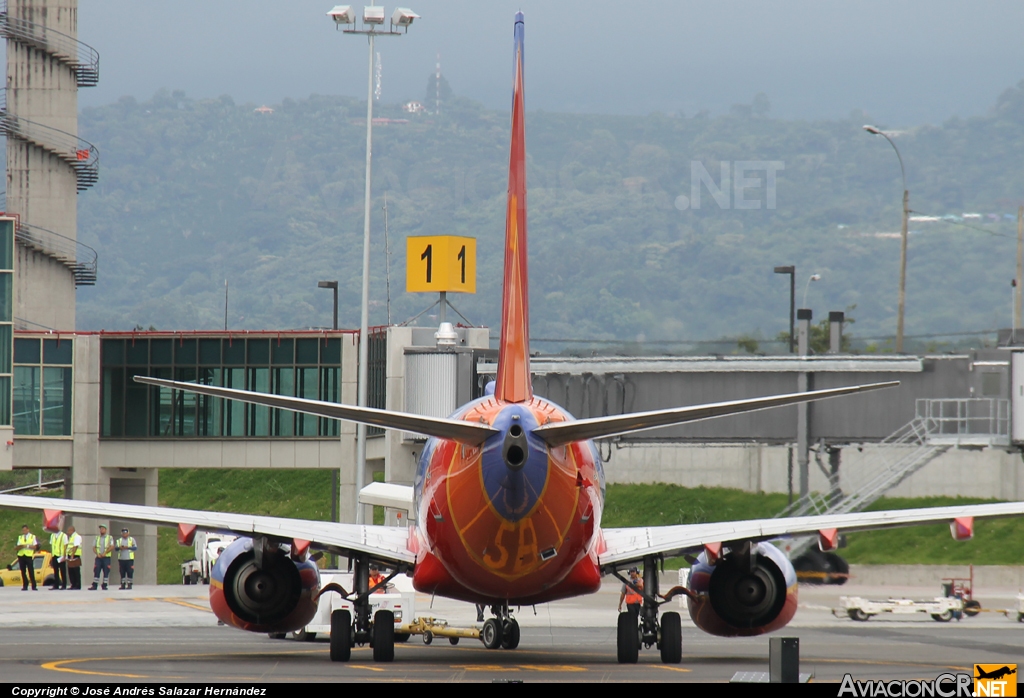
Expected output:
(373, 26)
(903, 240)
(331, 285)
(812, 277)
(791, 270)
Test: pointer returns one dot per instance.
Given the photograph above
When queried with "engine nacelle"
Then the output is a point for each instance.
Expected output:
(733, 601)
(277, 598)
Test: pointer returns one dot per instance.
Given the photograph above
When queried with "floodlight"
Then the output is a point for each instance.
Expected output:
(373, 14)
(403, 17)
(342, 14)
(872, 129)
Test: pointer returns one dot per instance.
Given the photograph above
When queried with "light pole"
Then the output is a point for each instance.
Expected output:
(373, 23)
(807, 287)
(903, 240)
(791, 270)
(333, 285)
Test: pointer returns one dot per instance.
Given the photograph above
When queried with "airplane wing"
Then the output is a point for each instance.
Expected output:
(624, 545)
(386, 544)
(467, 433)
(560, 433)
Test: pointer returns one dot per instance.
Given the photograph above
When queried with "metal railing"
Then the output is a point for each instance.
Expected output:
(82, 58)
(80, 154)
(971, 421)
(938, 426)
(76, 256)
(48, 485)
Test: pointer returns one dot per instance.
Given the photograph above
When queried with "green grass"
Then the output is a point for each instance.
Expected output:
(995, 542)
(666, 505)
(306, 494)
(299, 494)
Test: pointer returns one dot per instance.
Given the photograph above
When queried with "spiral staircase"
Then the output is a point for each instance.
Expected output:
(78, 154)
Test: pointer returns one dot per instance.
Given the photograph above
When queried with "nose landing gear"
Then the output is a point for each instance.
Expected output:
(500, 631)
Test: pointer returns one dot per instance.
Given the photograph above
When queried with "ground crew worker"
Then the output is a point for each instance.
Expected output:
(633, 598)
(377, 578)
(58, 548)
(74, 559)
(27, 547)
(104, 548)
(126, 548)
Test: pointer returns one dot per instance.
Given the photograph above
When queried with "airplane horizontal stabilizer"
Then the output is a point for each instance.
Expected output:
(561, 433)
(387, 494)
(464, 432)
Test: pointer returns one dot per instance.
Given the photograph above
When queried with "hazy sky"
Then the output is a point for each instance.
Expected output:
(904, 63)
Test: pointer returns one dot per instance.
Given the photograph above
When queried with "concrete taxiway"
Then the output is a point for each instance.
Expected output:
(168, 634)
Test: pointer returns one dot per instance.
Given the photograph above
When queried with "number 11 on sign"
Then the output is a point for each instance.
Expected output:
(440, 263)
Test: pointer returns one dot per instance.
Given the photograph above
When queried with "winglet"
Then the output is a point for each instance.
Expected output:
(513, 379)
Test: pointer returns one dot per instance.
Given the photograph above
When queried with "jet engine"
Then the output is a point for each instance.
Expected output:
(263, 589)
(751, 589)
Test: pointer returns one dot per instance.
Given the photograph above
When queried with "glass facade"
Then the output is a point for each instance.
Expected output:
(6, 317)
(377, 375)
(43, 378)
(298, 366)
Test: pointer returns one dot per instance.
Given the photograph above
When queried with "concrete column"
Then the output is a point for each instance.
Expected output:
(835, 331)
(803, 417)
(347, 464)
(42, 188)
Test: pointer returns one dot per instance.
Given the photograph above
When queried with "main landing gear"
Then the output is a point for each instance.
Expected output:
(347, 631)
(500, 631)
(645, 629)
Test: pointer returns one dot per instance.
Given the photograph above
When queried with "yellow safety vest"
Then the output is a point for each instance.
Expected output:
(74, 543)
(130, 544)
(29, 540)
(58, 543)
(102, 542)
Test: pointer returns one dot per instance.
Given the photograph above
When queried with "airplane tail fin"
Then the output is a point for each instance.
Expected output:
(513, 380)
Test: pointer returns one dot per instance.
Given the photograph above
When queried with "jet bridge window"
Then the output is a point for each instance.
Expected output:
(301, 366)
(43, 377)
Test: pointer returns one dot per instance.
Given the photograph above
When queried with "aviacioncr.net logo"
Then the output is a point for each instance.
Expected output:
(943, 686)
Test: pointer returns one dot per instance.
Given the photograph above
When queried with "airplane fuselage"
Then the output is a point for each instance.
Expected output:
(486, 532)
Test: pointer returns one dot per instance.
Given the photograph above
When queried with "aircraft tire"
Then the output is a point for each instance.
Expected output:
(627, 641)
(383, 636)
(510, 635)
(491, 633)
(341, 636)
(671, 638)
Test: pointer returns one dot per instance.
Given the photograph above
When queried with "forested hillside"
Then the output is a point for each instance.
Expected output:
(193, 192)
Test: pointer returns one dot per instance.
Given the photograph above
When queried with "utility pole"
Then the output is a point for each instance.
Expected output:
(903, 271)
(1020, 267)
(903, 239)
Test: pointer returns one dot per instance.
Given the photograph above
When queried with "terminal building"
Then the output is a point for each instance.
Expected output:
(954, 426)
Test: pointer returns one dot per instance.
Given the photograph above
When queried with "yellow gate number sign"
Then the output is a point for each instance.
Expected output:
(440, 263)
